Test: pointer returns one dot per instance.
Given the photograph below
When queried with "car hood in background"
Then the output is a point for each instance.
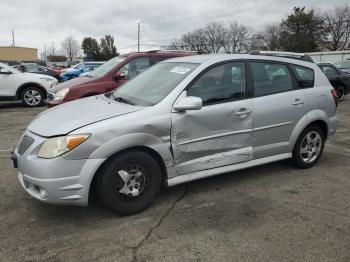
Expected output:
(38, 76)
(67, 117)
(72, 83)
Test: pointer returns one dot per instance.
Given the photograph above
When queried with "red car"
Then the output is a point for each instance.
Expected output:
(108, 77)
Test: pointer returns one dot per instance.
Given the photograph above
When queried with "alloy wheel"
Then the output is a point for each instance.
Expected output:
(32, 97)
(311, 147)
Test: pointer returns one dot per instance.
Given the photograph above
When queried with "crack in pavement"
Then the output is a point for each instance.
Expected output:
(151, 230)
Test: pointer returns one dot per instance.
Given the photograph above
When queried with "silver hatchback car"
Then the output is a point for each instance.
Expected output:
(183, 119)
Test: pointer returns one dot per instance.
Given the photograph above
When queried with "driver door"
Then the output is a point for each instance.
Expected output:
(6, 84)
(219, 133)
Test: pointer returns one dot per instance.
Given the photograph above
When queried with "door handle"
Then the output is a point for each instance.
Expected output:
(298, 102)
(243, 111)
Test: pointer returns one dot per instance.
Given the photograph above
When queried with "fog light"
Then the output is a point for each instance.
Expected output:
(43, 194)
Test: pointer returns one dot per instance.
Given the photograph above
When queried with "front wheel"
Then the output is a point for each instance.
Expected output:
(32, 96)
(129, 183)
(309, 147)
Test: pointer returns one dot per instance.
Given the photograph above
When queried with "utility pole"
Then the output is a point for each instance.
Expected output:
(138, 36)
(13, 38)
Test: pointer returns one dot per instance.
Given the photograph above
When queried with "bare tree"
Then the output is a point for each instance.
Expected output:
(338, 28)
(195, 41)
(270, 37)
(215, 34)
(236, 38)
(70, 47)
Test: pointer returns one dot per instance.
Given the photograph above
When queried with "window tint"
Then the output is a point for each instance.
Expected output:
(270, 78)
(328, 70)
(135, 67)
(222, 83)
(304, 75)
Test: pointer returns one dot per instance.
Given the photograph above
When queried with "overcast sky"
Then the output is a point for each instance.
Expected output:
(39, 22)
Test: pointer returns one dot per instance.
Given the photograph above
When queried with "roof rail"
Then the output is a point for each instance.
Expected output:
(299, 56)
(171, 51)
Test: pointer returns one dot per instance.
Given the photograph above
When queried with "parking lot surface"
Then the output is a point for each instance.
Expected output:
(273, 212)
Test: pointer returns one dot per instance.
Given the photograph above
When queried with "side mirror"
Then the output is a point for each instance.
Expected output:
(188, 103)
(119, 75)
(4, 71)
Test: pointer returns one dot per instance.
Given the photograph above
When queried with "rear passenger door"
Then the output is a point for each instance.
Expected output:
(278, 105)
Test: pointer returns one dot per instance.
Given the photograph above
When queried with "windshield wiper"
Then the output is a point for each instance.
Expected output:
(122, 99)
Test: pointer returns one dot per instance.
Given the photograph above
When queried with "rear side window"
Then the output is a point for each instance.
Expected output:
(270, 78)
(305, 75)
(328, 70)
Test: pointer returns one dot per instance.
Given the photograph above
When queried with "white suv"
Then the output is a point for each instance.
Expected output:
(30, 88)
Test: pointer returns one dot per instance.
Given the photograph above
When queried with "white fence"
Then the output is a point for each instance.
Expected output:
(331, 56)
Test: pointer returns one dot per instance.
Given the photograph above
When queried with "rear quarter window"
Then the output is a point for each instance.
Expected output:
(304, 75)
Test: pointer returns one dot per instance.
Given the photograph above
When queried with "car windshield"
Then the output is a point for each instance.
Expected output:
(10, 68)
(106, 67)
(344, 65)
(154, 84)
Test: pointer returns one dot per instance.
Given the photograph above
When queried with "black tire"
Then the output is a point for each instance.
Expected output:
(299, 157)
(32, 97)
(340, 92)
(110, 183)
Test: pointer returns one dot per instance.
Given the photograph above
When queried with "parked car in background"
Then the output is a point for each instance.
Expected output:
(183, 119)
(38, 69)
(339, 79)
(344, 66)
(29, 88)
(79, 69)
(109, 76)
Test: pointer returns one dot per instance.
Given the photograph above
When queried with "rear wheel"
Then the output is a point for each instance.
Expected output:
(309, 147)
(129, 183)
(340, 93)
(32, 96)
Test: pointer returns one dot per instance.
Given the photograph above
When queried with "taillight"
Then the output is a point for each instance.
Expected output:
(335, 96)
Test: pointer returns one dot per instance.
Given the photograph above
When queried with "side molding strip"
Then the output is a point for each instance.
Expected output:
(224, 169)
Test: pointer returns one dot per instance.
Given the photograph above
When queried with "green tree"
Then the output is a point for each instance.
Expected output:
(91, 48)
(302, 31)
(107, 48)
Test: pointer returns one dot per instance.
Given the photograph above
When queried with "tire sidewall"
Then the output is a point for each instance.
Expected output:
(105, 183)
(343, 91)
(32, 88)
(296, 151)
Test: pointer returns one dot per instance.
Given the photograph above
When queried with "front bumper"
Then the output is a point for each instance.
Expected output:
(52, 103)
(58, 181)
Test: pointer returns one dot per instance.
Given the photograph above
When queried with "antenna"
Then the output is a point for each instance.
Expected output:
(13, 38)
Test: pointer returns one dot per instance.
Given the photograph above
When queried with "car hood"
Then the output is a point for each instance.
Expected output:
(71, 83)
(38, 76)
(67, 117)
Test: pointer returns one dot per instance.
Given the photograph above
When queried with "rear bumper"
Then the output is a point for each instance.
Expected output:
(332, 125)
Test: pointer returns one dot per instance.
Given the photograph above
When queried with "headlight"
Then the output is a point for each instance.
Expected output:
(56, 146)
(61, 94)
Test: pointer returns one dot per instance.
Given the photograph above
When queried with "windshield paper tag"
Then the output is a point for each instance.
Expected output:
(180, 70)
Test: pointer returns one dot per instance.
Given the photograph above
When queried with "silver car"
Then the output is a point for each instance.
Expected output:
(183, 119)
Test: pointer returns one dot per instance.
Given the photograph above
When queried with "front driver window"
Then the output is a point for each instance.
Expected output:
(222, 83)
(135, 67)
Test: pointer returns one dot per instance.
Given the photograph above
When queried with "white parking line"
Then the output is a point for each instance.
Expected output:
(5, 150)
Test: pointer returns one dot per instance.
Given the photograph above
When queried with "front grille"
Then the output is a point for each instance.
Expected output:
(25, 143)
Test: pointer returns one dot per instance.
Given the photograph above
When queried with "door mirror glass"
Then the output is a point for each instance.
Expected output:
(4, 71)
(119, 75)
(188, 103)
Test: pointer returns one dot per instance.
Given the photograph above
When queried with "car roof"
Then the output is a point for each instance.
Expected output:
(215, 58)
